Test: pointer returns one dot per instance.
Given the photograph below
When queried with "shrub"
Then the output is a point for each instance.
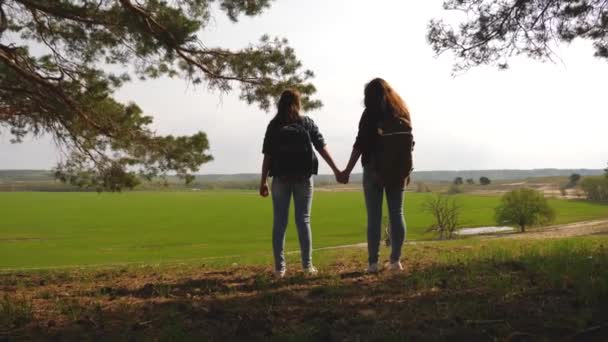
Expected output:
(524, 207)
(595, 188)
(446, 212)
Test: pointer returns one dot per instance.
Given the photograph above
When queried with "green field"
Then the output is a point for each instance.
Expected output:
(40, 230)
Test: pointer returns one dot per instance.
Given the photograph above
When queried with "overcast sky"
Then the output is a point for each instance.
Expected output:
(533, 115)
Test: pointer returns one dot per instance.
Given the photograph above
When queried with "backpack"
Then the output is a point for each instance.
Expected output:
(293, 154)
(393, 159)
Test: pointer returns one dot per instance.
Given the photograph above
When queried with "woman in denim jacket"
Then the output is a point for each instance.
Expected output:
(286, 184)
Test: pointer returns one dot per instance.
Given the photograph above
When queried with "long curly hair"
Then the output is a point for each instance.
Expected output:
(381, 99)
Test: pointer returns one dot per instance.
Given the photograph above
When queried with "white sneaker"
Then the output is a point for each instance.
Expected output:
(372, 268)
(396, 266)
(311, 270)
(280, 273)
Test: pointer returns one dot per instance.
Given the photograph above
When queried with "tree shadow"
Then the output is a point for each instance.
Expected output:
(562, 296)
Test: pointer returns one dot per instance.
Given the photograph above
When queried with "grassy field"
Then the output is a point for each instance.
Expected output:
(40, 230)
(467, 290)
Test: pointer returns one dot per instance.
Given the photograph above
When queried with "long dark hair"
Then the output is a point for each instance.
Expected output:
(288, 108)
(382, 99)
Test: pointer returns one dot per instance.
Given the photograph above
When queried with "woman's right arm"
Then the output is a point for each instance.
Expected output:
(360, 142)
(354, 157)
(266, 148)
(264, 180)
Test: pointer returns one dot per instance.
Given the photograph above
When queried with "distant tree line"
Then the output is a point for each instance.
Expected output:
(482, 180)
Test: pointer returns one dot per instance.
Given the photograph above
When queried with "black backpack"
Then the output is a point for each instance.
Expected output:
(293, 154)
(393, 159)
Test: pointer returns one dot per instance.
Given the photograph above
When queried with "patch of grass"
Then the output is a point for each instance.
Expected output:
(262, 281)
(15, 312)
(71, 308)
(79, 229)
(162, 290)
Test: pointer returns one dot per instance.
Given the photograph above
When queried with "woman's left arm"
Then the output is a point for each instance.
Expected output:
(319, 143)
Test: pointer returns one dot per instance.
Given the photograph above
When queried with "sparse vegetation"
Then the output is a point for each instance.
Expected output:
(470, 181)
(454, 189)
(446, 213)
(524, 208)
(14, 312)
(595, 188)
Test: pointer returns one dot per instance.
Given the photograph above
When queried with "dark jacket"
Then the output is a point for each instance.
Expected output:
(315, 136)
(367, 136)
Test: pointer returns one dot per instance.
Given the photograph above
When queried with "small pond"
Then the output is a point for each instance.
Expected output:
(483, 230)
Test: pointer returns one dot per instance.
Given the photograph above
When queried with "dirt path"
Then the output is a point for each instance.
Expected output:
(596, 227)
(585, 228)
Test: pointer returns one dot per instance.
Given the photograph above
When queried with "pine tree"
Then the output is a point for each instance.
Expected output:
(54, 79)
(494, 30)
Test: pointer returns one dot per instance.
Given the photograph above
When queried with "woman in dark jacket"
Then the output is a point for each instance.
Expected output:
(380, 101)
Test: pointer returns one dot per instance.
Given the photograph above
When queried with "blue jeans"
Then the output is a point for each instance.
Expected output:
(373, 190)
(282, 190)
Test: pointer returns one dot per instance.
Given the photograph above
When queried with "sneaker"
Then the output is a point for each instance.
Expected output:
(311, 270)
(280, 273)
(396, 266)
(372, 268)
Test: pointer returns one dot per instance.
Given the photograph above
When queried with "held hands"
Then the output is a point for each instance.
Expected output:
(264, 190)
(342, 177)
